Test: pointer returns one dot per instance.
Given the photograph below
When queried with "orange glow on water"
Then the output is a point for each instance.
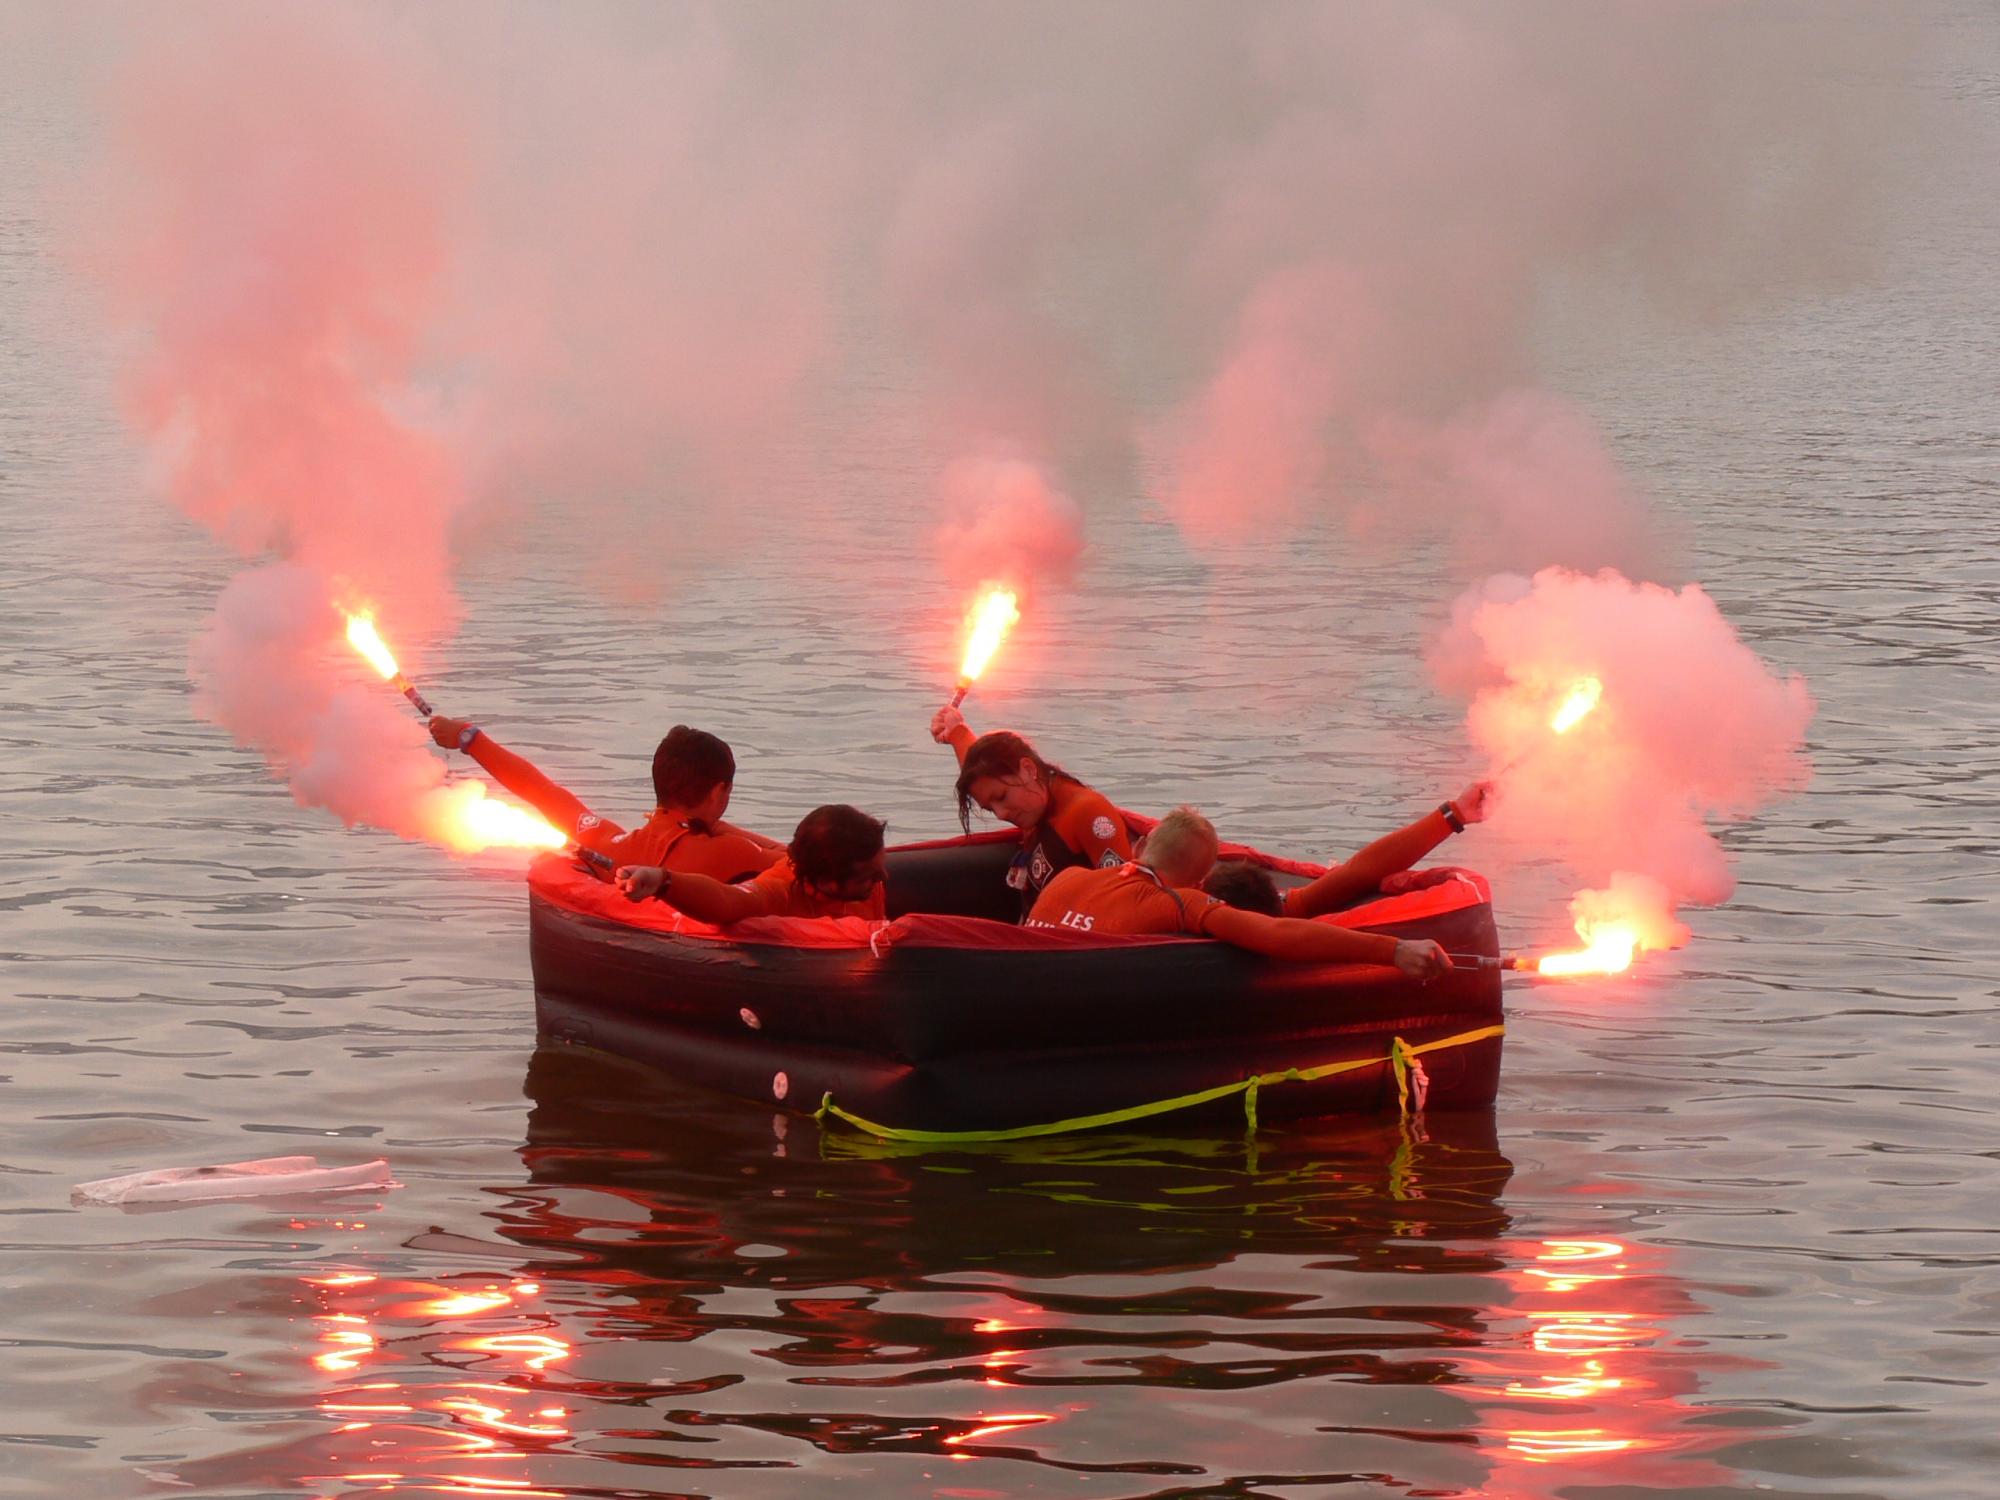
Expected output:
(485, 1414)
(432, 1428)
(1580, 1386)
(1581, 1357)
(350, 1345)
(992, 617)
(995, 1425)
(1581, 1250)
(1569, 1442)
(1588, 1332)
(464, 1304)
(541, 1348)
(1570, 1281)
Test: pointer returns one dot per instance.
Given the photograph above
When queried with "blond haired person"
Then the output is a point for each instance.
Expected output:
(1160, 892)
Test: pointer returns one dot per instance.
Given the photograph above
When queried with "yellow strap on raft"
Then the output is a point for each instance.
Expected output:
(1398, 1058)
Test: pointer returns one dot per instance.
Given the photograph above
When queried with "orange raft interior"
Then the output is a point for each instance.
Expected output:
(950, 1021)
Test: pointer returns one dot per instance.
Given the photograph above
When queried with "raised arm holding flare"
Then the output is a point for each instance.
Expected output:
(1381, 868)
(1063, 823)
(693, 776)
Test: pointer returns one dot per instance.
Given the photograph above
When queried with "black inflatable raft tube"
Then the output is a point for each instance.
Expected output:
(949, 1019)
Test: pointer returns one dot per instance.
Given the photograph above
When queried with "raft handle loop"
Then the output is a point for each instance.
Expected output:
(1413, 1084)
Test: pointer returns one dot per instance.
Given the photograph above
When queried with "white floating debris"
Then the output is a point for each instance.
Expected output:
(237, 1179)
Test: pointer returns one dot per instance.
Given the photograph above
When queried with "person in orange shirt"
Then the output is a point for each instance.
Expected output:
(1383, 868)
(833, 867)
(1063, 823)
(693, 775)
(1160, 893)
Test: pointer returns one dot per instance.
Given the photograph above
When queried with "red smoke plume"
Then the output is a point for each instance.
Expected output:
(588, 264)
(280, 287)
(1006, 524)
(1690, 728)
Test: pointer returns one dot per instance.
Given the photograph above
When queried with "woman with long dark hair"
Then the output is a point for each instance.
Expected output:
(1063, 822)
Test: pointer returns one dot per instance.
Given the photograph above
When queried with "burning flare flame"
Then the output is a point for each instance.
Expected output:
(474, 822)
(363, 637)
(1577, 706)
(1609, 948)
(1633, 915)
(460, 816)
(994, 615)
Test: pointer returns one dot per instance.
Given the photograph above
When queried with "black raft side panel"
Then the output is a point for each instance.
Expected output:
(954, 880)
(982, 1039)
(1007, 1091)
(922, 1004)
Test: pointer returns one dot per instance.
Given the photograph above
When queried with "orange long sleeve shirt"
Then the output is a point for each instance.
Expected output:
(662, 839)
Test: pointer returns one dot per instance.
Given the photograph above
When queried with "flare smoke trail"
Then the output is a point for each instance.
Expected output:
(280, 285)
(407, 281)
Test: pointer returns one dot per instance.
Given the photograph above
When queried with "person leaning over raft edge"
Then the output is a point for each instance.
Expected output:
(1381, 868)
(1159, 893)
(1064, 824)
(833, 867)
(693, 775)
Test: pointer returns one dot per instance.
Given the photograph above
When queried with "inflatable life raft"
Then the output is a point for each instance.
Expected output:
(951, 1022)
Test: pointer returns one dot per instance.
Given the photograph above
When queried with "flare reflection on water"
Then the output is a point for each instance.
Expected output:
(667, 1258)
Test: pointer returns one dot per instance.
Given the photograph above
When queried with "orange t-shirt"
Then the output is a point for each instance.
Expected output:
(668, 842)
(1080, 826)
(1083, 818)
(1122, 902)
(782, 894)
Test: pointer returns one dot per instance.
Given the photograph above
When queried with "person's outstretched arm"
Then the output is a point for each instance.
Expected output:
(701, 898)
(948, 727)
(1362, 874)
(1322, 942)
(563, 808)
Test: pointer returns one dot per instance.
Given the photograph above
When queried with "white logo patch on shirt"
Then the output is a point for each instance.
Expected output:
(1111, 861)
(587, 821)
(1103, 827)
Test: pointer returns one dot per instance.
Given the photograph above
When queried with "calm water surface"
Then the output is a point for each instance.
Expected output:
(1730, 1231)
